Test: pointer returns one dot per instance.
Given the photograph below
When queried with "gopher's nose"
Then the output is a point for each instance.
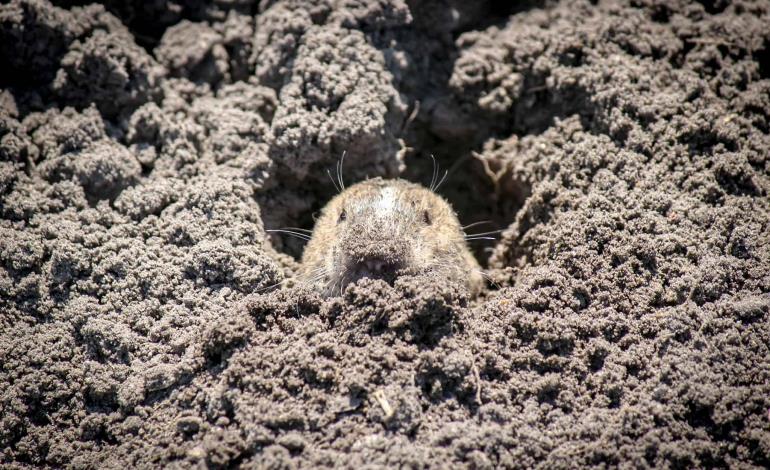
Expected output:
(373, 254)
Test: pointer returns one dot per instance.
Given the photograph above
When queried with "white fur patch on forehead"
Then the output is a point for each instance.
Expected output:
(387, 200)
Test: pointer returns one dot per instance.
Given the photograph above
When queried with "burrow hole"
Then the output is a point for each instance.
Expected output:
(468, 188)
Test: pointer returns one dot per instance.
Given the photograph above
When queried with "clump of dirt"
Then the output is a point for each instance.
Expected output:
(623, 146)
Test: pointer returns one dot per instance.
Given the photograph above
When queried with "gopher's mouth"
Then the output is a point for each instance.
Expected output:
(373, 268)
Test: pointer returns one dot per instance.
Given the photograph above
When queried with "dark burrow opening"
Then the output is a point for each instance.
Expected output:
(467, 187)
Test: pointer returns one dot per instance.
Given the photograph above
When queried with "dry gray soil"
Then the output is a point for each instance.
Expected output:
(623, 146)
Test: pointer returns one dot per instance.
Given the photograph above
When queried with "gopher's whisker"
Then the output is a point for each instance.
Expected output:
(483, 233)
(289, 232)
(477, 223)
(446, 173)
(329, 173)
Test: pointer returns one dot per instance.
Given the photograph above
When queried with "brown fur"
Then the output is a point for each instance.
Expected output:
(389, 227)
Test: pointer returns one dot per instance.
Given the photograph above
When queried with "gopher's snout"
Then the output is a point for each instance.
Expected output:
(375, 258)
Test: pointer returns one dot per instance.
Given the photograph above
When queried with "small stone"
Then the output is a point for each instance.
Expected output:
(196, 453)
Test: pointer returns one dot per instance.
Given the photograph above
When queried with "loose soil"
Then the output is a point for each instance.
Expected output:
(623, 147)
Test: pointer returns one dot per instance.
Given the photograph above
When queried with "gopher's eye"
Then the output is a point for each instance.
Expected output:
(426, 217)
(343, 216)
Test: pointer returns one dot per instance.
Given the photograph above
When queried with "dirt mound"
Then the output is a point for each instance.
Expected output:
(624, 148)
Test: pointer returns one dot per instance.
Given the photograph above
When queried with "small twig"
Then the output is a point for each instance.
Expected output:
(412, 116)
(495, 176)
(477, 376)
(535, 89)
(708, 41)
(379, 395)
